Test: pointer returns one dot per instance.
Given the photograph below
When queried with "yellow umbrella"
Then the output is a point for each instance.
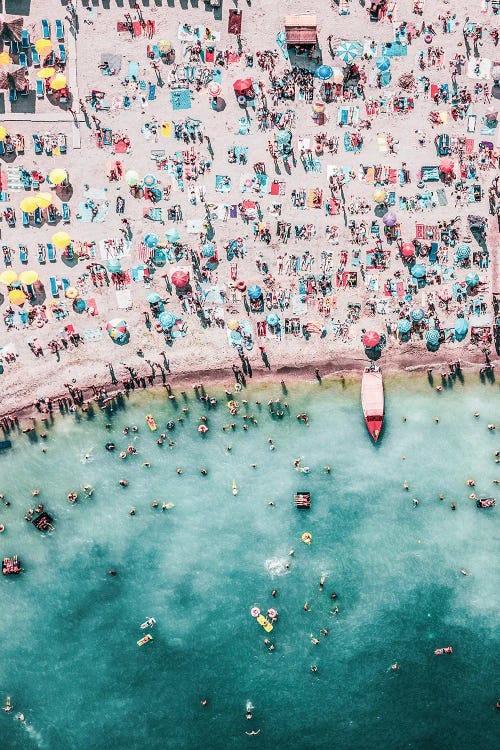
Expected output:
(29, 204)
(43, 200)
(58, 82)
(71, 292)
(8, 277)
(3, 133)
(379, 195)
(28, 277)
(43, 46)
(233, 324)
(58, 175)
(4, 58)
(164, 45)
(61, 239)
(46, 73)
(17, 297)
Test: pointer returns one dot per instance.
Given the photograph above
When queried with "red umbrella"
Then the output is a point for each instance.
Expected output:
(408, 250)
(242, 85)
(446, 165)
(371, 339)
(180, 278)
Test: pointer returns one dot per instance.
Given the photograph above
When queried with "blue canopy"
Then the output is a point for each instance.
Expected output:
(472, 280)
(432, 336)
(151, 240)
(404, 325)
(463, 252)
(461, 327)
(324, 72)
(167, 319)
(417, 314)
(254, 292)
(272, 319)
(418, 271)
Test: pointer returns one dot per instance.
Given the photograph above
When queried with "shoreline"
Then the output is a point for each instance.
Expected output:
(329, 368)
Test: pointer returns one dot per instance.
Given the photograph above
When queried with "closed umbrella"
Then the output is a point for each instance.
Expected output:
(167, 319)
(43, 200)
(61, 239)
(408, 250)
(272, 319)
(383, 64)
(29, 204)
(472, 280)
(8, 277)
(45, 73)
(28, 277)
(404, 325)
(131, 178)
(180, 278)
(349, 51)
(463, 252)
(417, 314)
(432, 337)
(58, 176)
(371, 339)
(390, 219)
(418, 271)
(43, 47)
(379, 195)
(243, 85)
(461, 328)
(17, 297)
(254, 292)
(172, 235)
(58, 82)
(151, 240)
(324, 72)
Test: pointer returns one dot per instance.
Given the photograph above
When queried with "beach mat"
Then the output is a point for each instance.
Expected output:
(234, 21)
(181, 99)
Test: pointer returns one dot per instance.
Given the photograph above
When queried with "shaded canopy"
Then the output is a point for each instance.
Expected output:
(12, 77)
(11, 28)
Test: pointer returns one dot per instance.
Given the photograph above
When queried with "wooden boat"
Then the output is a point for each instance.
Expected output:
(372, 400)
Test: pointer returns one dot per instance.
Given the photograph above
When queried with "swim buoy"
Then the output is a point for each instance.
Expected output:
(202, 429)
(254, 611)
(306, 537)
(130, 449)
(272, 613)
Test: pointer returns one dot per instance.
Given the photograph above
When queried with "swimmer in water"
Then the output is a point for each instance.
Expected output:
(178, 470)
(203, 471)
(464, 572)
(395, 667)
(327, 469)
(291, 552)
(314, 640)
(123, 482)
(306, 607)
(322, 582)
(254, 731)
(314, 668)
(147, 464)
(324, 631)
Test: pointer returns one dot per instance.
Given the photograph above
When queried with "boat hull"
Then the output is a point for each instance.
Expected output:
(372, 401)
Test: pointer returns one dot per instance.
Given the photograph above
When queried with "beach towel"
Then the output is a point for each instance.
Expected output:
(281, 42)
(312, 194)
(217, 75)
(382, 143)
(426, 232)
(181, 99)
(234, 21)
(92, 307)
(441, 197)
(123, 299)
(222, 183)
(243, 125)
(395, 49)
(370, 48)
(133, 70)
(469, 146)
(13, 178)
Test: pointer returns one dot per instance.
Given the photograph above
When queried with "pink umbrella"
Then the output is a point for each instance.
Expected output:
(445, 294)
(371, 339)
(180, 278)
(242, 86)
(446, 165)
(214, 89)
(408, 250)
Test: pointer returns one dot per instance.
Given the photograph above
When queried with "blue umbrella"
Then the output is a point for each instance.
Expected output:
(149, 180)
(153, 298)
(348, 51)
(383, 63)
(432, 336)
(208, 250)
(114, 265)
(461, 328)
(418, 271)
(324, 72)
(417, 314)
(79, 305)
(463, 252)
(167, 319)
(283, 137)
(151, 240)
(472, 280)
(172, 235)
(404, 325)
(254, 292)
(272, 319)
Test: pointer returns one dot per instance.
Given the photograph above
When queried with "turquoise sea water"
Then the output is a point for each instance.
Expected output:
(69, 656)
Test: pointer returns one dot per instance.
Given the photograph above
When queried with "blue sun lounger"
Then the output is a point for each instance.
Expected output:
(25, 38)
(59, 29)
(51, 252)
(40, 91)
(65, 213)
(62, 54)
(45, 29)
(53, 287)
(152, 92)
(26, 219)
(35, 58)
(23, 60)
(23, 254)
(37, 217)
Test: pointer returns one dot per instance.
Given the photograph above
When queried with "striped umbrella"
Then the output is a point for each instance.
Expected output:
(404, 325)
(417, 314)
(349, 51)
(463, 252)
(432, 337)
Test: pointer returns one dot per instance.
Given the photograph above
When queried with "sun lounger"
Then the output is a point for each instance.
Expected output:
(54, 290)
(14, 47)
(25, 38)
(59, 29)
(23, 254)
(45, 28)
(65, 213)
(151, 92)
(133, 70)
(37, 217)
(62, 54)
(51, 252)
(2, 148)
(35, 58)
(26, 219)
(23, 60)
(12, 96)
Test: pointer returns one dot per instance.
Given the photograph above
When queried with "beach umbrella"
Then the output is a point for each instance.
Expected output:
(324, 72)
(164, 46)
(390, 219)
(208, 250)
(242, 85)
(379, 196)
(71, 292)
(167, 319)
(8, 277)
(472, 280)
(383, 64)
(114, 265)
(404, 326)
(58, 82)
(149, 180)
(3, 133)
(5, 58)
(46, 73)
(272, 319)
(432, 337)
(131, 178)
(408, 250)
(233, 324)
(461, 328)
(29, 204)
(180, 278)
(17, 297)
(417, 314)
(418, 271)
(57, 176)
(151, 240)
(371, 339)
(283, 137)
(338, 75)
(446, 165)
(28, 277)
(61, 239)
(254, 292)
(79, 305)
(153, 298)
(463, 252)
(214, 89)
(349, 51)
(172, 235)
(445, 294)
(43, 47)
(43, 200)
(117, 328)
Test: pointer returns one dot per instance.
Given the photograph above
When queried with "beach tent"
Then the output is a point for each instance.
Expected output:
(301, 30)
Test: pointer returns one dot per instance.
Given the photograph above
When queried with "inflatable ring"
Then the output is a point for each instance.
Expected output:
(232, 404)
(272, 613)
(428, 38)
(237, 386)
(241, 286)
(306, 537)
(202, 429)
(40, 323)
(158, 327)
(255, 611)
(123, 454)
(130, 449)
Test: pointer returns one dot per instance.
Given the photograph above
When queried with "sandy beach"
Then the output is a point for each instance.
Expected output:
(330, 280)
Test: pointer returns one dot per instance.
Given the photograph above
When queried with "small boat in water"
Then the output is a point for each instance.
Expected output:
(235, 488)
(372, 400)
(150, 623)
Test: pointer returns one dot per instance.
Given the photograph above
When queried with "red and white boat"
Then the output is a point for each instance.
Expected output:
(372, 400)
